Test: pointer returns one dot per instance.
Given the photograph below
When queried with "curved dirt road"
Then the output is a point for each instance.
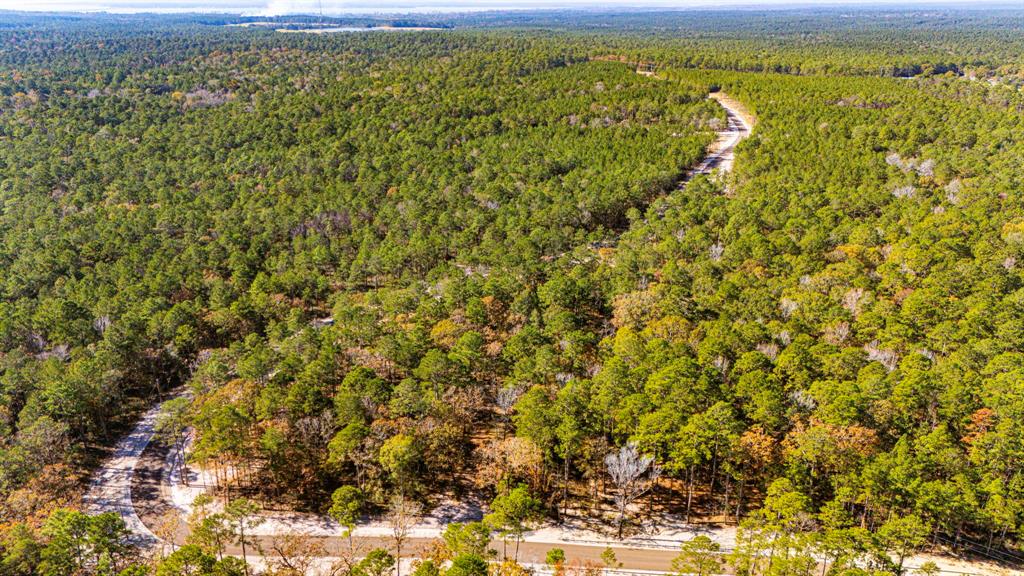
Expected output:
(111, 485)
(136, 481)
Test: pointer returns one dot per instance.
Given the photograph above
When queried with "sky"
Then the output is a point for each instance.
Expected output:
(334, 7)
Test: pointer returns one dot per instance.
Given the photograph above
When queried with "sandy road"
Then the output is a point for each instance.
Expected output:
(136, 481)
(150, 500)
(111, 485)
(722, 152)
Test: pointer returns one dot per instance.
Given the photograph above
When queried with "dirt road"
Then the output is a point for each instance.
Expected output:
(136, 481)
(740, 123)
(152, 502)
(111, 485)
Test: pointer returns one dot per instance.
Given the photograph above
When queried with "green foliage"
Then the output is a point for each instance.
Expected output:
(399, 456)
(609, 558)
(210, 533)
(242, 516)
(471, 538)
(555, 558)
(21, 551)
(346, 506)
(426, 568)
(699, 556)
(229, 566)
(189, 560)
(358, 250)
(467, 565)
(378, 562)
(903, 536)
(75, 543)
(512, 512)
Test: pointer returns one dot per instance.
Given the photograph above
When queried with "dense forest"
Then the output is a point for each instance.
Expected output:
(462, 262)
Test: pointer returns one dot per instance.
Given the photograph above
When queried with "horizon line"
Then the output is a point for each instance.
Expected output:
(469, 8)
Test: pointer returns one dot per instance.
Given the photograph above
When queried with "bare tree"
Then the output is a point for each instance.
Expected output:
(506, 398)
(166, 530)
(633, 476)
(716, 251)
(852, 300)
(101, 324)
(295, 554)
(888, 358)
(504, 401)
(403, 514)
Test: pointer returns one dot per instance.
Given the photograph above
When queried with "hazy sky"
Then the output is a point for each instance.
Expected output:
(275, 7)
